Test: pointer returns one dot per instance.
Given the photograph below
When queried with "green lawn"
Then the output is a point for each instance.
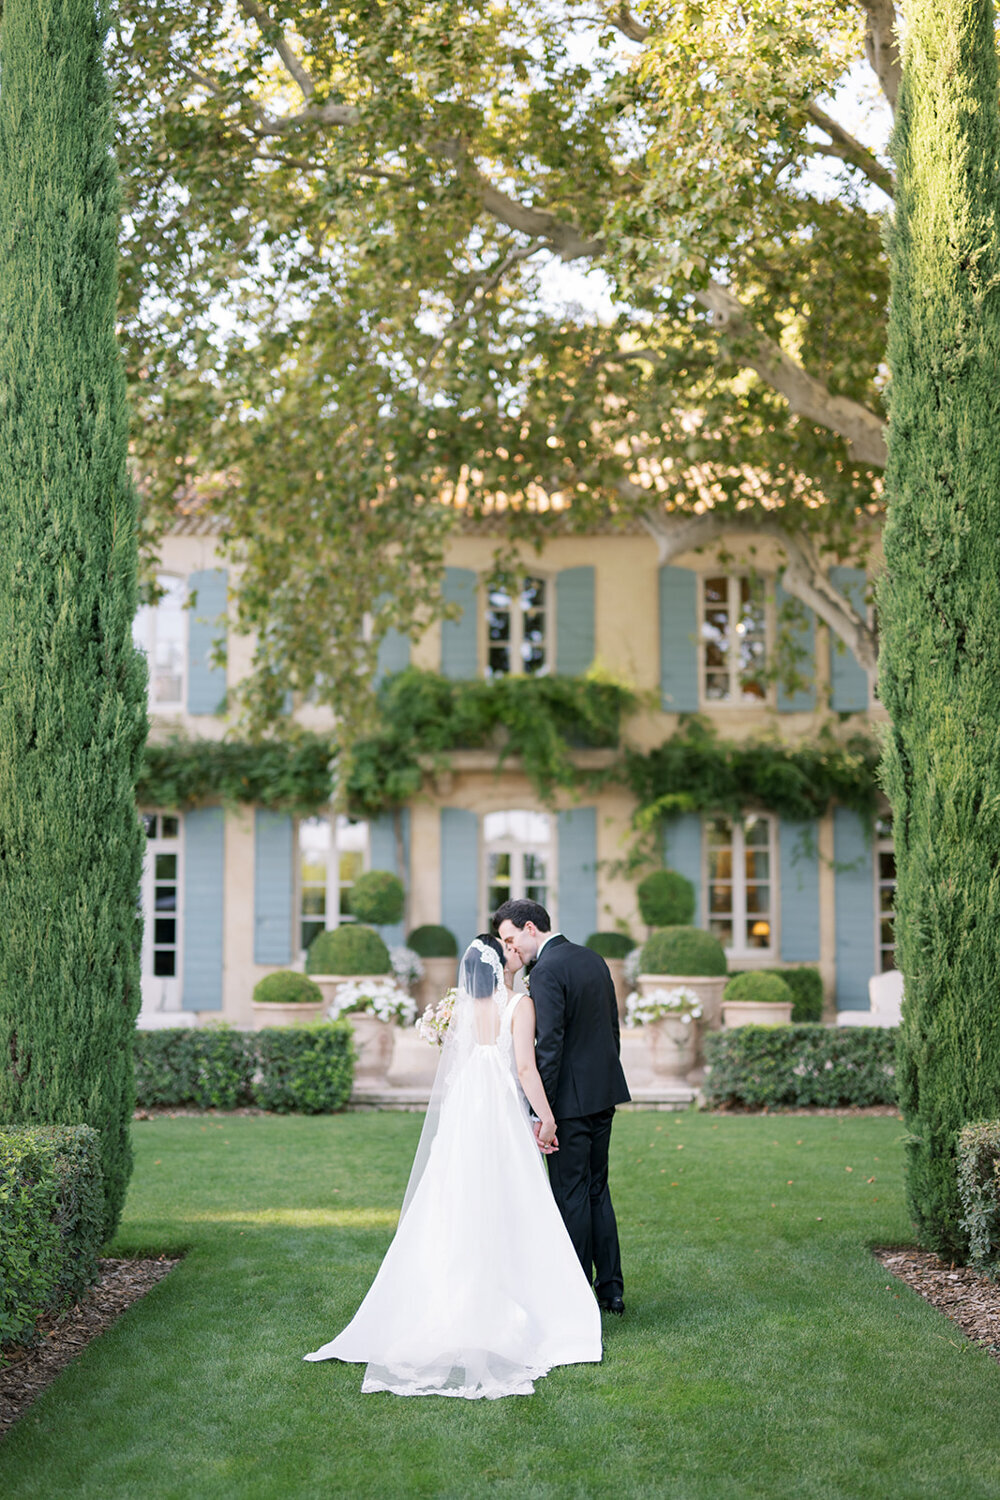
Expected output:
(763, 1353)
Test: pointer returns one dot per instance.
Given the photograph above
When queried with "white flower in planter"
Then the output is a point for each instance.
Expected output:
(682, 1003)
(374, 997)
(406, 965)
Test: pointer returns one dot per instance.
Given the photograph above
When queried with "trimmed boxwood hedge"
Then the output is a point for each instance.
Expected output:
(770, 1067)
(433, 941)
(760, 986)
(683, 950)
(610, 944)
(305, 1068)
(51, 1223)
(348, 949)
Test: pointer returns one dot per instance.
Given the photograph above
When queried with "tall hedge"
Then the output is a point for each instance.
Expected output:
(939, 605)
(72, 688)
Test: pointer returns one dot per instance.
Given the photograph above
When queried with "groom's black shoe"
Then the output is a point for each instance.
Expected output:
(612, 1305)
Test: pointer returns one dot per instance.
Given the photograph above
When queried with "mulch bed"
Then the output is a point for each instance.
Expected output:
(970, 1300)
(122, 1283)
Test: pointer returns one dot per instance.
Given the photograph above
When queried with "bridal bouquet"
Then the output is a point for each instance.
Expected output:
(682, 1003)
(375, 997)
(433, 1024)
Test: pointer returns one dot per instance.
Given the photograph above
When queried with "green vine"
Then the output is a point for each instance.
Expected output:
(291, 774)
(695, 771)
(425, 717)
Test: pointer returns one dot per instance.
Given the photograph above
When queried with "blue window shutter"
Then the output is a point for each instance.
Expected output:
(460, 638)
(273, 885)
(804, 637)
(848, 679)
(206, 627)
(393, 654)
(574, 621)
(678, 640)
(382, 847)
(854, 908)
(577, 872)
(204, 861)
(460, 873)
(682, 852)
(798, 861)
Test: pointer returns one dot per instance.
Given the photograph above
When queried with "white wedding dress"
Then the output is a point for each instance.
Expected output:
(480, 1292)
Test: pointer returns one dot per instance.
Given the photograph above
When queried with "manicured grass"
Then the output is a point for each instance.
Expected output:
(764, 1353)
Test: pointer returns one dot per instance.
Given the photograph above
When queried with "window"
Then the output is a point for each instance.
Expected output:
(519, 855)
(161, 631)
(740, 888)
(332, 854)
(517, 629)
(733, 640)
(160, 898)
(885, 894)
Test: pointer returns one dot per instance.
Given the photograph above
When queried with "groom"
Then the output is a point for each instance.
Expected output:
(576, 1048)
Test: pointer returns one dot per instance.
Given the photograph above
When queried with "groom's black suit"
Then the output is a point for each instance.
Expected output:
(577, 1045)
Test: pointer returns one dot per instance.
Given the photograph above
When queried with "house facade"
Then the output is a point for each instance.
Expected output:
(231, 893)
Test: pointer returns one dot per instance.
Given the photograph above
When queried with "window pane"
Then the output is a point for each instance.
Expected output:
(887, 864)
(720, 864)
(886, 898)
(536, 893)
(499, 867)
(165, 866)
(533, 594)
(720, 898)
(759, 899)
(498, 661)
(757, 863)
(149, 825)
(310, 931)
(165, 898)
(314, 902)
(721, 930)
(887, 936)
(351, 864)
(313, 873)
(497, 625)
(758, 934)
(534, 867)
(165, 930)
(719, 831)
(756, 831)
(716, 590)
(534, 660)
(164, 963)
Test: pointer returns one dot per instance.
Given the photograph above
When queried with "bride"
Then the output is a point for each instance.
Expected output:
(481, 1291)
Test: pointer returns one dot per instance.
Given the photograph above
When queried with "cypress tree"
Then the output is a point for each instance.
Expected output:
(72, 687)
(939, 605)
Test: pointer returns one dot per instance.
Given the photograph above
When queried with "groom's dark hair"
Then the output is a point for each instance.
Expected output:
(521, 912)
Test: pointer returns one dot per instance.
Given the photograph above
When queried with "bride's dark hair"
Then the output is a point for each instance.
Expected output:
(480, 975)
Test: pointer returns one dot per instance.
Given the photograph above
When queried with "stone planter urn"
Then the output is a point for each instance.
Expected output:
(293, 1013)
(756, 1013)
(622, 986)
(708, 988)
(439, 976)
(330, 984)
(373, 1042)
(673, 1046)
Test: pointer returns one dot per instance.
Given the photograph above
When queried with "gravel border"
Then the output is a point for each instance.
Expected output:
(970, 1300)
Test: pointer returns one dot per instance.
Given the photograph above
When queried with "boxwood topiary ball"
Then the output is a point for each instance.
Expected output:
(611, 944)
(377, 896)
(350, 949)
(287, 988)
(666, 899)
(433, 941)
(761, 987)
(683, 950)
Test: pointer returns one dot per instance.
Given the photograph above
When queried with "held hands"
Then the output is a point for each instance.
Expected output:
(545, 1135)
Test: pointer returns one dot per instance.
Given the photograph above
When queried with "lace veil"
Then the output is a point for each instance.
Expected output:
(475, 1022)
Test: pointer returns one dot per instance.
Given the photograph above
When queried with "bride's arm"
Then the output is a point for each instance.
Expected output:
(523, 1028)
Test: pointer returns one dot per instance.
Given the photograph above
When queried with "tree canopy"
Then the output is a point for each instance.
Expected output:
(391, 265)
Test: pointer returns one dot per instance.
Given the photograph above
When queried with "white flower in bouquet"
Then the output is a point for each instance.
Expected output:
(433, 1024)
(682, 1003)
(374, 997)
(406, 965)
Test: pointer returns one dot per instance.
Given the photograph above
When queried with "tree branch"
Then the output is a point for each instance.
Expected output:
(622, 19)
(808, 397)
(882, 46)
(805, 576)
(844, 146)
(267, 24)
(473, 295)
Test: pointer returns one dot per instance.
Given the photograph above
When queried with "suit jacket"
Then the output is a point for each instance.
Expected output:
(577, 1039)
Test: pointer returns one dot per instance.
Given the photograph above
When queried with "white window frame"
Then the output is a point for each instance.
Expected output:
(333, 885)
(739, 950)
(145, 634)
(517, 846)
(161, 992)
(884, 844)
(734, 580)
(516, 642)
